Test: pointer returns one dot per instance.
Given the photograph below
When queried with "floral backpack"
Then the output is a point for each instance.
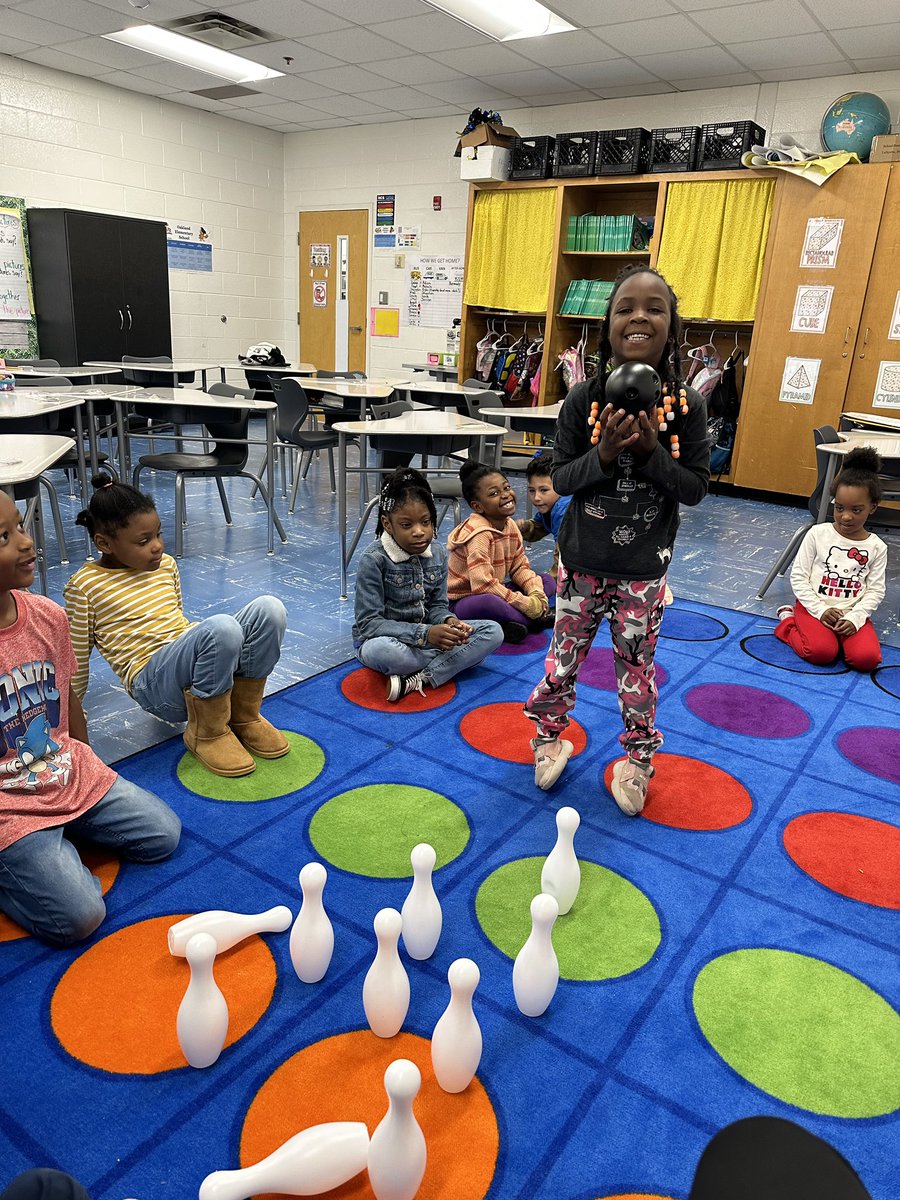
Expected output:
(571, 363)
(486, 353)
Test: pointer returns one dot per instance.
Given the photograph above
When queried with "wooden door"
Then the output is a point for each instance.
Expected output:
(774, 449)
(98, 304)
(879, 329)
(334, 283)
(145, 274)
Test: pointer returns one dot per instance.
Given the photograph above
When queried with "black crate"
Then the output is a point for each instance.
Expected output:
(575, 154)
(722, 145)
(675, 149)
(532, 158)
(623, 151)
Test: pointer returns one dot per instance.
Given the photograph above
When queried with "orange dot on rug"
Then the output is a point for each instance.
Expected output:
(503, 731)
(100, 862)
(367, 689)
(852, 855)
(115, 1007)
(686, 793)
(342, 1079)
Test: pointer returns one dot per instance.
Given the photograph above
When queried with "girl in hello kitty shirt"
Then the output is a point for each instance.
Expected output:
(838, 575)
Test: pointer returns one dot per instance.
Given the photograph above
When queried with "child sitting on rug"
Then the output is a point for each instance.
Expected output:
(404, 627)
(486, 550)
(211, 673)
(549, 506)
(52, 785)
(838, 574)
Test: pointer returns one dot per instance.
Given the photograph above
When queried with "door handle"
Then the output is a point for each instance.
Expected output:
(356, 328)
(865, 342)
(128, 310)
(121, 320)
(846, 340)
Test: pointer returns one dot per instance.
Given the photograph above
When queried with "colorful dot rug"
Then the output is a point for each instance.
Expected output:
(731, 952)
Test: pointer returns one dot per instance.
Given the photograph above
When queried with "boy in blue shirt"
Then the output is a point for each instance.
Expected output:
(549, 506)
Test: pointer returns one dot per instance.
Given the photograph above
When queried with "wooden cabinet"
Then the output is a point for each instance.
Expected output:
(101, 285)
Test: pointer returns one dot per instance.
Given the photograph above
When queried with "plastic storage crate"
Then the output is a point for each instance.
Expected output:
(623, 151)
(675, 149)
(532, 157)
(722, 145)
(575, 154)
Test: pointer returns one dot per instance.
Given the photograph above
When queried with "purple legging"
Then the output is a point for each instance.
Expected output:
(485, 606)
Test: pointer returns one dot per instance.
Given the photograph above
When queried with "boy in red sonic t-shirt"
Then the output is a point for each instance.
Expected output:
(51, 782)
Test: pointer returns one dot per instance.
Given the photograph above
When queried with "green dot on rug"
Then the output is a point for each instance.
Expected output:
(372, 830)
(611, 929)
(272, 777)
(802, 1030)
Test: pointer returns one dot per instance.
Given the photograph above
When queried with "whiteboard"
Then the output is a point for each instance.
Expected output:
(15, 293)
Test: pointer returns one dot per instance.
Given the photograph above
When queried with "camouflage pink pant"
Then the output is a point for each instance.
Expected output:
(634, 610)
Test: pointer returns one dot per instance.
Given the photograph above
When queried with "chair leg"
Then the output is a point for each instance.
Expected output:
(34, 519)
(784, 559)
(224, 499)
(179, 515)
(57, 518)
(261, 488)
(262, 470)
(309, 458)
(331, 468)
(293, 499)
(136, 477)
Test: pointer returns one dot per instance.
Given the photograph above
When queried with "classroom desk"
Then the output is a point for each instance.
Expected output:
(88, 373)
(420, 426)
(24, 404)
(858, 420)
(432, 369)
(168, 398)
(172, 368)
(444, 394)
(540, 420)
(887, 445)
(23, 457)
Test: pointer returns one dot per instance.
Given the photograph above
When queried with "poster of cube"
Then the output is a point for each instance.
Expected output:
(798, 383)
(823, 238)
(811, 309)
(887, 388)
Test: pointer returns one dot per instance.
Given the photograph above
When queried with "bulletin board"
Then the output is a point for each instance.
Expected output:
(18, 336)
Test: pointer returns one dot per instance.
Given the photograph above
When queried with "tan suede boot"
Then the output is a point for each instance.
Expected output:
(255, 732)
(210, 740)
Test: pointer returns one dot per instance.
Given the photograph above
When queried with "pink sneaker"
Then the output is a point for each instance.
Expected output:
(629, 784)
(550, 760)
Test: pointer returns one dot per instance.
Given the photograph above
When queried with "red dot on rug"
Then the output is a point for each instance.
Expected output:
(852, 855)
(100, 862)
(503, 731)
(367, 689)
(686, 793)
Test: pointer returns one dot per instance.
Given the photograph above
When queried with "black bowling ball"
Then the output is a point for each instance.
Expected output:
(634, 387)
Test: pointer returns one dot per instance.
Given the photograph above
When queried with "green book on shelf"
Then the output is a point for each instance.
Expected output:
(568, 299)
(603, 243)
(571, 232)
(579, 234)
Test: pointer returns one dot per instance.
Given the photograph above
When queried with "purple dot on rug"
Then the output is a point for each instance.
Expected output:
(598, 670)
(533, 642)
(749, 711)
(873, 749)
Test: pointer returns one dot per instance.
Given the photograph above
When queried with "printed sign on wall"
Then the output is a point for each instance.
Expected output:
(894, 331)
(189, 247)
(320, 293)
(15, 293)
(820, 246)
(320, 254)
(798, 383)
(811, 309)
(887, 387)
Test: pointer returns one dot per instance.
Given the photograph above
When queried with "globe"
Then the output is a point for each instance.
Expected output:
(853, 120)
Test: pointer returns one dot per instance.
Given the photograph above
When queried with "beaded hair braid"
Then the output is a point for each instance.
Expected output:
(673, 403)
(402, 485)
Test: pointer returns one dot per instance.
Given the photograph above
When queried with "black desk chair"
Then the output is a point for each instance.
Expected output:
(32, 362)
(226, 460)
(293, 413)
(396, 453)
(475, 404)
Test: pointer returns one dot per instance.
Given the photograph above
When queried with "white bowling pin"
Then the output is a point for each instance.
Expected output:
(421, 911)
(228, 928)
(316, 1160)
(386, 986)
(536, 970)
(312, 938)
(397, 1152)
(561, 874)
(202, 1023)
(456, 1041)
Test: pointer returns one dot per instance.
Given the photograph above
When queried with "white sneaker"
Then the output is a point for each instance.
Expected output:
(398, 686)
(786, 610)
(550, 759)
(668, 598)
(629, 784)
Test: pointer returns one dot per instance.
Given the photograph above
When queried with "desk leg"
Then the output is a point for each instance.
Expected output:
(92, 439)
(270, 476)
(830, 469)
(122, 437)
(82, 470)
(342, 508)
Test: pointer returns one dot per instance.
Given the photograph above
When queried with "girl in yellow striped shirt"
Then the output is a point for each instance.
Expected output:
(210, 673)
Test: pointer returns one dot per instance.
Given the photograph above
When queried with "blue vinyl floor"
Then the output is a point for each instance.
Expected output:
(725, 548)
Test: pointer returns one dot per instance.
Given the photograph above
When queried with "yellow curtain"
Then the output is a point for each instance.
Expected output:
(713, 243)
(512, 249)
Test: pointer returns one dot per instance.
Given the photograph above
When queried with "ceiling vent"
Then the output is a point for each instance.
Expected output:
(228, 91)
(217, 29)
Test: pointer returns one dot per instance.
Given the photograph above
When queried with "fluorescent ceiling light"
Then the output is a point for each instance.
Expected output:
(191, 53)
(505, 20)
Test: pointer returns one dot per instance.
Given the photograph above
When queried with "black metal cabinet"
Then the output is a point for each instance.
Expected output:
(101, 285)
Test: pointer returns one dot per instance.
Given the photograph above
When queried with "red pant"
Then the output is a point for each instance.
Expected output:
(808, 637)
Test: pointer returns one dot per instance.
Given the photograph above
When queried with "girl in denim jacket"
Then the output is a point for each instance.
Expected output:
(404, 627)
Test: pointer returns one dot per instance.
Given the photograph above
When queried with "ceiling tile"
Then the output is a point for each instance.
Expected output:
(355, 45)
(580, 46)
(108, 54)
(692, 6)
(878, 64)
(385, 10)
(484, 61)
(656, 36)
(431, 31)
(863, 42)
(185, 79)
(812, 71)
(261, 100)
(433, 109)
(382, 118)
(13, 45)
(530, 83)
(26, 28)
(273, 54)
(635, 89)
(343, 106)
(612, 73)
(328, 123)
(689, 64)
(750, 22)
(575, 96)
(163, 10)
(797, 51)
(60, 61)
(345, 78)
(289, 113)
(251, 117)
(836, 14)
(413, 69)
(290, 87)
(77, 14)
(398, 99)
(704, 82)
(137, 83)
(289, 18)
(466, 92)
(594, 14)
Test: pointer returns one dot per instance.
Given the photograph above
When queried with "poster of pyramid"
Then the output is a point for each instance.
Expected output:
(798, 383)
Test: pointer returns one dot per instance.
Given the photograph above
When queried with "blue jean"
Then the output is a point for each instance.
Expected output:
(392, 657)
(44, 885)
(207, 657)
